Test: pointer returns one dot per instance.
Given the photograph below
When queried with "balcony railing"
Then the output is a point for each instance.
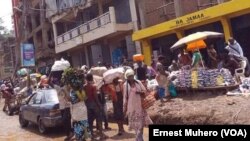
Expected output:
(84, 28)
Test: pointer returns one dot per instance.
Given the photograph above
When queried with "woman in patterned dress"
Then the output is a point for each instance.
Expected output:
(79, 115)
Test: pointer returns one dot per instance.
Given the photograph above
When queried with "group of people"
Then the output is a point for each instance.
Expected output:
(87, 103)
(231, 58)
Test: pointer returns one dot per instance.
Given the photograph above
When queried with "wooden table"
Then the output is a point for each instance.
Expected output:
(212, 89)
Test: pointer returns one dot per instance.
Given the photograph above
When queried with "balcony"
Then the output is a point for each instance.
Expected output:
(103, 26)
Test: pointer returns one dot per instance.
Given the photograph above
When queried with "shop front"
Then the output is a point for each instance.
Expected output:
(230, 18)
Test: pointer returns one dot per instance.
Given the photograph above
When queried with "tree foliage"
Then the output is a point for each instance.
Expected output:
(4, 32)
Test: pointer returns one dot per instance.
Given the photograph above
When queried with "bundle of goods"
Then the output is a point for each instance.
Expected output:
(74, 78)
(60, 65)
(99, 71)
(245, 86)
(138, 58)
(110, 75)
(228, 78)
(173, 76)
(23, 72)
(202, 78)
(184, 79)
(152, 84)
(209, 77)
(98, 81)
(149, 100)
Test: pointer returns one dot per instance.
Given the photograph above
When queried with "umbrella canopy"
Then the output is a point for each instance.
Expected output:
(196, 37)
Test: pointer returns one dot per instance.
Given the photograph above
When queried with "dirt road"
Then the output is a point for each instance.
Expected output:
(11, 131)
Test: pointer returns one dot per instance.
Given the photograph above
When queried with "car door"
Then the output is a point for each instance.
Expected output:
(27, 108)
(35, 107)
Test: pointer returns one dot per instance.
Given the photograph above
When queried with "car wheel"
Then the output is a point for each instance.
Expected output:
(42, 128)
(22, 121)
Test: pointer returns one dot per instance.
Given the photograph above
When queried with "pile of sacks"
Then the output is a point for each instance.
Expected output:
(104, 76)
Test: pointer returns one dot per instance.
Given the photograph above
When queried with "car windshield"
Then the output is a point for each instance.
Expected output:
(51, 96)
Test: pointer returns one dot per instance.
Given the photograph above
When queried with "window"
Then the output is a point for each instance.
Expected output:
(38, 99)
(32, 100)
(51, 96)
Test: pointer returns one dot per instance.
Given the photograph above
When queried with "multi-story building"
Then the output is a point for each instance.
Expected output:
(31, 26)
(163, 22)
(89, 31)
(8, 58)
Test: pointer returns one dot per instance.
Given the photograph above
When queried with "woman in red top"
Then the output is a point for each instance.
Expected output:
(184, 59)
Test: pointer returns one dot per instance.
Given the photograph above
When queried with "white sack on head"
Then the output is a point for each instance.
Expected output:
(60, 65)
(110, 75)
(99, 71)
(98, 81)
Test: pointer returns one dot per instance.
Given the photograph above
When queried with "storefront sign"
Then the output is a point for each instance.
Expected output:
(28, 55)
(189, 20)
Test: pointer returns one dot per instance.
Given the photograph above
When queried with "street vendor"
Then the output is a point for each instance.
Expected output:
(235, 50)
(213, 56)
(184, 59)
(230, 63)
(197, 59)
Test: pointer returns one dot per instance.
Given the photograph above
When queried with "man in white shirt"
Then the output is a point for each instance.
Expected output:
(234, 48)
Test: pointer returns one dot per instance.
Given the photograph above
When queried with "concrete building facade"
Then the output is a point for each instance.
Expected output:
(8, 57)
(89, 31)
(32, 26)
(158, 33)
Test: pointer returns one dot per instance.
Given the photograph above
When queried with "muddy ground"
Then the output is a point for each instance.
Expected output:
(201, 108)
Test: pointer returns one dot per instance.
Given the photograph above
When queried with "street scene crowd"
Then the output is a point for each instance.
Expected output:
(83, 92)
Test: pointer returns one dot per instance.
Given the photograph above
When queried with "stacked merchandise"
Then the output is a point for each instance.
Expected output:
(203, 78)
(228, 78)
(194, 79)
(245, 86)
(184, 78)
(220, 80)
(212, 74)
